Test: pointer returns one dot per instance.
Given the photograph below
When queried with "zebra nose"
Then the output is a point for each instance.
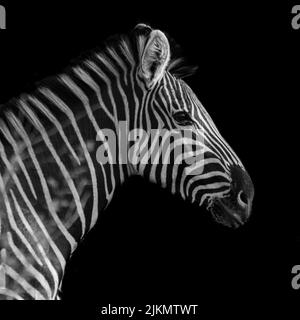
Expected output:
(243, 188)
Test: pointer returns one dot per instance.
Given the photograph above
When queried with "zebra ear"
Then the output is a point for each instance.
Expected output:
(155, 58)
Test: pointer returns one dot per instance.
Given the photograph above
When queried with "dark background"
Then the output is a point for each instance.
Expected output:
(149, 246)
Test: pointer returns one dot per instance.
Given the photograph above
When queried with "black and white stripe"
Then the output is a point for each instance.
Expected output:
(52, 188)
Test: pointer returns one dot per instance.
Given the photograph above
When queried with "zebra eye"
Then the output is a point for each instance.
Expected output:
(183, 118)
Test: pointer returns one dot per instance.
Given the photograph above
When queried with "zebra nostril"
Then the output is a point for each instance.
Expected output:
(242, 199)
(242, 186)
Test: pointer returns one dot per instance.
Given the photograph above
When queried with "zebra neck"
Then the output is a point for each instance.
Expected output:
(52, 184)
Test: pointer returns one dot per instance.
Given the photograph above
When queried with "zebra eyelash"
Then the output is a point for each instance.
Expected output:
(183, 118)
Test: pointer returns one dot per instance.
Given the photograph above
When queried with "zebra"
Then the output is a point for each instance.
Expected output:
(53, 186)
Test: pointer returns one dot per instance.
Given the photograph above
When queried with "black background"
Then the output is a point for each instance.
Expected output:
(149, 246)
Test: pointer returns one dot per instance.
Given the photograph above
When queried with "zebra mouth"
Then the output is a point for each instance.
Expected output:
(224, 213)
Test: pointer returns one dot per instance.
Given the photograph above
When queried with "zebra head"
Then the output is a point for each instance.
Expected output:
(188, 155)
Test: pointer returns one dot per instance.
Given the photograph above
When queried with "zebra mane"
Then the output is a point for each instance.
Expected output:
(179, 69)
(130, 46)
(127, 45)
(179, 66)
